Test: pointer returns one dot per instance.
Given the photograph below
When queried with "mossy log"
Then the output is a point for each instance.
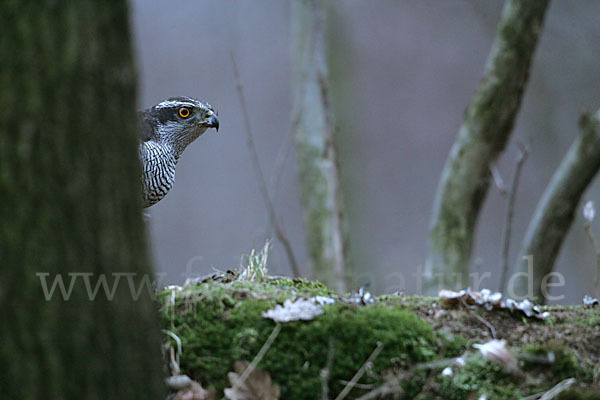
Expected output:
(219, 321)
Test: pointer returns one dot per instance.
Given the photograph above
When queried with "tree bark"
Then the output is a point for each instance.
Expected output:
(70, 204)
(481, 139)
(555, 212)
(314, 143)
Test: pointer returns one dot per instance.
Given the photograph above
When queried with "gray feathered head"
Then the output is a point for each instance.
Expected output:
(177, 122)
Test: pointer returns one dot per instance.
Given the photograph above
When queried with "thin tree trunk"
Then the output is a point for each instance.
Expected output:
(555, 212)
(481, 139)
(70, 203)
(314, 142)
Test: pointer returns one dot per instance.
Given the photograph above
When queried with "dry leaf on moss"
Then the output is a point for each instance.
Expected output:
(496, 351)
(257, 386)
(187, 389)
(196, 392)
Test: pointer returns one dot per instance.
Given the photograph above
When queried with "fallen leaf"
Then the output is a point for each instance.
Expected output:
(257, 385)
(496, 351)
(188, 389)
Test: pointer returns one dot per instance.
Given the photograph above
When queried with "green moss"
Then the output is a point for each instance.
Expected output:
(302, 286)
(355, 333)
(562, 362)
(480, 377)
(588, 317)
(220, 327)
(410, 302)
(452, 345)
(219, 321)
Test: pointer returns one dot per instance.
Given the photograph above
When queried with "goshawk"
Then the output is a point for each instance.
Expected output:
(166, 130)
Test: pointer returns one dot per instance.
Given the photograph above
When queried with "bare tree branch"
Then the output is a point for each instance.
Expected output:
(262, 184)
(524, 153)
(594, 242)
(556, 209)
(482, 137)
(278, 167)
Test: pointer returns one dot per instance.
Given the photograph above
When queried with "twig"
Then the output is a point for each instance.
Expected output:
(283, 152)
(380, 391)
(498, 181)
(590, 234)
(174, 358)
(262, 184)
(286, 144)
(360, 372)
(489, 326)
(552, 393)
(259, 356)
(559, 388)
(282, 156)
(280, 160)
(325, 372)
(365, 386)
(524, 153)
(393, 386)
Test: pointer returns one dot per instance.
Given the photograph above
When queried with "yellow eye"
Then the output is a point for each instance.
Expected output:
(184, 112)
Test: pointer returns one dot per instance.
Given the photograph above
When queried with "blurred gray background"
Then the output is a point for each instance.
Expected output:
(402, 73)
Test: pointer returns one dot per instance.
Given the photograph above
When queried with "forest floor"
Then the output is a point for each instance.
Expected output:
(576, 328)
(302, 341)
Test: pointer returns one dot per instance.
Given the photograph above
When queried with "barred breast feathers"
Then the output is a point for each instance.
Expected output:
(158, 176)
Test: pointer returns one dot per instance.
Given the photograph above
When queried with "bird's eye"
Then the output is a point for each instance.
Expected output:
(184, 112)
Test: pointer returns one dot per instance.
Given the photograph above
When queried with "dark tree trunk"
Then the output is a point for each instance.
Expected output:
(70, 203)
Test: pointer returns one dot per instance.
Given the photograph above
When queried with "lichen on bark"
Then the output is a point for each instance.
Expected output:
(482, 137)
(313, 130)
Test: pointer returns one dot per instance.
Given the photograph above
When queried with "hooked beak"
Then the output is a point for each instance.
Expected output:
(212, 122)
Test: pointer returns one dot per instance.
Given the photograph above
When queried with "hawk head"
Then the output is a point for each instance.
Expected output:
(177, 122)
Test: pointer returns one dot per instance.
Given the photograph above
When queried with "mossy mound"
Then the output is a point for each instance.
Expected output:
(219, 321)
